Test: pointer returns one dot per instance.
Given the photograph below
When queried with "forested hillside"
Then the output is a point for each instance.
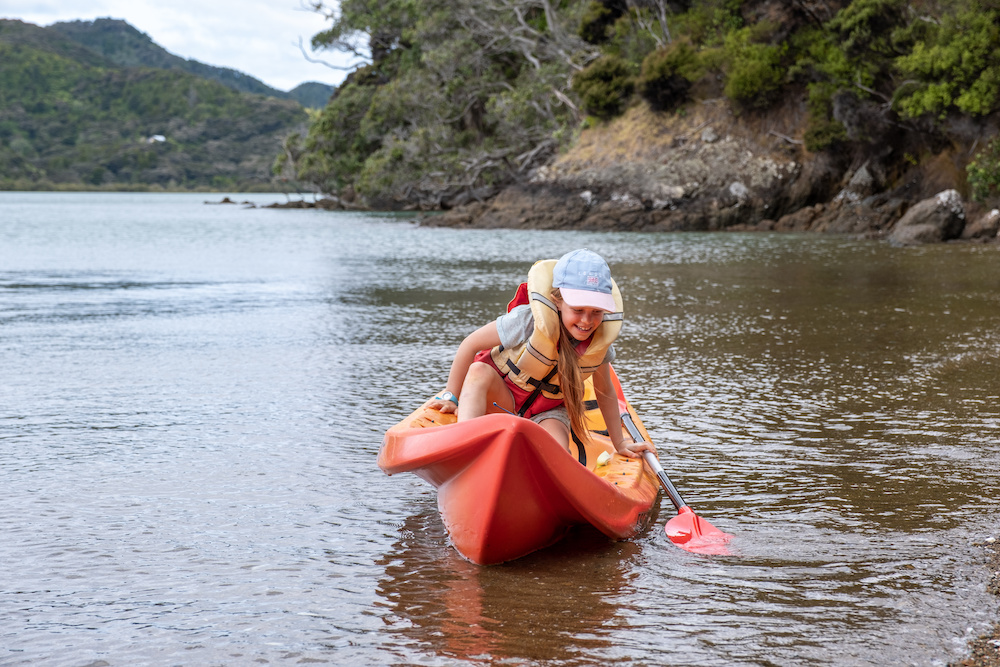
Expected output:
(123, 45)
(71, 116)
(464, 97)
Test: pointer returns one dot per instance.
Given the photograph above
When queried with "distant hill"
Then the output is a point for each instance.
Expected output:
(311, 94)
(72, 115)
(124, 45)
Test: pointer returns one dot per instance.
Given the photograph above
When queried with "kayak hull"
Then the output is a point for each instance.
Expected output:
(506, 488)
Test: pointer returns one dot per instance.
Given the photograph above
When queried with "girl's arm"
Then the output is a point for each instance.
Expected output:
(483, 338)
(607, 401)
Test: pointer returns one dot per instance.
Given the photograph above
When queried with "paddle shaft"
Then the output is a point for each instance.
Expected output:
(654, 463)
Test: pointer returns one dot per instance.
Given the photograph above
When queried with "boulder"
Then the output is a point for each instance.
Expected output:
(940, 218)
(983, 227)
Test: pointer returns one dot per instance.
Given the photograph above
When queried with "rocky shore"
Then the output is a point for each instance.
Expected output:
(984, 651)
(711, 169)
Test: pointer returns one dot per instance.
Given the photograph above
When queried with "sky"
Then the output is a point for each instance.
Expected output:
(256, 37)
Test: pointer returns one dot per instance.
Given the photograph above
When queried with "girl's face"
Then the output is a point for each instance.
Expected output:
(580, 322)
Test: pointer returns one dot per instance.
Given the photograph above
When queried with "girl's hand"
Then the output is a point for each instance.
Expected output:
(634, 450)
(444, 407)
(445, 402)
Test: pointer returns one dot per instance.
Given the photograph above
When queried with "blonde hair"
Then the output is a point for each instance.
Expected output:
(571, 377)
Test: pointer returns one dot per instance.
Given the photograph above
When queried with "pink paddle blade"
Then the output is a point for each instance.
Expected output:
(692, 533)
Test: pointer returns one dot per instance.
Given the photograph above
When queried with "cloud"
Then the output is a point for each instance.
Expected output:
(257, 37)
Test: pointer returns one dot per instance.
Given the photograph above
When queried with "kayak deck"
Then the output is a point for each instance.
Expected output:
(506, 488)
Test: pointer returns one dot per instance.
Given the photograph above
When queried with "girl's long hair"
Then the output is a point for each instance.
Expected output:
(570, 377)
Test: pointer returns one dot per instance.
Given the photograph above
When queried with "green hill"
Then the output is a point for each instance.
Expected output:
(74, 116)
(125, 46)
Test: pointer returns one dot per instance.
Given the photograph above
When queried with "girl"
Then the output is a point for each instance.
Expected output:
(533, 360)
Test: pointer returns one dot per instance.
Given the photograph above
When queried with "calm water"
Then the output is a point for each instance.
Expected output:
(192, 398)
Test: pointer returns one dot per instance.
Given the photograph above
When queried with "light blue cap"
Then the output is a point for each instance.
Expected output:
(584, 280)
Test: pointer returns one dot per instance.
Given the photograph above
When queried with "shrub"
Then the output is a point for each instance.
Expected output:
(667, 75)
(628, 39)
(869, 26)
(605, 86)
(984, 171)
(596, 21)
(754, 74)
(708, 21)
(956, 67)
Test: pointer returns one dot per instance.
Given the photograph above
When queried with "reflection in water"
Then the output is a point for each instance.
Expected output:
(553, 606)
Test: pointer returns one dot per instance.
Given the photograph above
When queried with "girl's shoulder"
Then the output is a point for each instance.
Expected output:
(515, 326)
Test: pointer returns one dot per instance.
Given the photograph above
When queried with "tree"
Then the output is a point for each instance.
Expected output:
(460, 97)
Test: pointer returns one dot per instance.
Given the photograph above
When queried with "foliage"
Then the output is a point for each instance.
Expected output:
(984, 172)
(667, 75)
(460, 96)
(596, 21)
(754, 73)
(869, 27)
(605, 86)
(708, 22)
(463, 96)
(121, 45)
(822, 131)
(956, 67)
(63, 120)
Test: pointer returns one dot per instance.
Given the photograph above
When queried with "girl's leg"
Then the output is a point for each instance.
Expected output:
(482, 386)
(558, 430)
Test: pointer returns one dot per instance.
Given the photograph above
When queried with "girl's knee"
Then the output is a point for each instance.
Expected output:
(480, 375)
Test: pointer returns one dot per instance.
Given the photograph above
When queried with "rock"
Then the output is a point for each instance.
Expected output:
(645, 172)
(326, 203)
(799, 221)
(862, 182)
(984, 227)
(520, 207)
(850, 214)
(738, 190)
(940, 218)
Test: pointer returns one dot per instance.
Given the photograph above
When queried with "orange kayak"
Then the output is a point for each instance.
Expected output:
(506, 488)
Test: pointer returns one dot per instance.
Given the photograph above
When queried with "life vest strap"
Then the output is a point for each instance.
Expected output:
(539, 385)
(539, 297)
(581, 450)
(534, 395)
(538, 355)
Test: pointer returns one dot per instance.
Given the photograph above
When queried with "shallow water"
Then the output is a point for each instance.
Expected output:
(193, 397)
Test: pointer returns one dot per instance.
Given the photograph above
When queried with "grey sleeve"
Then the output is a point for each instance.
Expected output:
(516, 326)
(609, 356)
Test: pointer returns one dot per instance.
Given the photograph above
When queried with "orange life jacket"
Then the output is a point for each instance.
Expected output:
(532, 364)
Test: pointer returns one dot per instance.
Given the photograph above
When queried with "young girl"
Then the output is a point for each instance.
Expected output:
(533, 360)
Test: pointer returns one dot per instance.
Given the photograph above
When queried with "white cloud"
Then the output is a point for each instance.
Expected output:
(257, 37)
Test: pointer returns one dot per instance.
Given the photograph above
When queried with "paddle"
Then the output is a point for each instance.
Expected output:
(687, 530)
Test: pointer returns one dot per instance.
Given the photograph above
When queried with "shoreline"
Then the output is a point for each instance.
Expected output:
(144, 188)
(984, 650)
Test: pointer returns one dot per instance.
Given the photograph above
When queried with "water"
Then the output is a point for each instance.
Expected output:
(192, 398)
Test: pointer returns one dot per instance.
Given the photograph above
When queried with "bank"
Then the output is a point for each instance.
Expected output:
(711, 168)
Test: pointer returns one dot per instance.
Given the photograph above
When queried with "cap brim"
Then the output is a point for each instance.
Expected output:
(581, 298)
